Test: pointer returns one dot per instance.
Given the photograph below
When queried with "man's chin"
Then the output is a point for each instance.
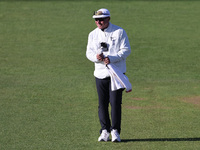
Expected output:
(100, 27)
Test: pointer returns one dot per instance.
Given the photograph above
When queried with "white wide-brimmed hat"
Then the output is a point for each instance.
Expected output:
(101, 13)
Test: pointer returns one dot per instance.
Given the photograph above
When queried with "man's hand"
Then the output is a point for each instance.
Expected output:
(100, 57)
(106, 60)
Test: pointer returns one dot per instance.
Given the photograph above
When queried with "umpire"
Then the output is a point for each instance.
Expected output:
(108, 43)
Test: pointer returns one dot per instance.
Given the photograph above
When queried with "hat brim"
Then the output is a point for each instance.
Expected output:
(100, 16)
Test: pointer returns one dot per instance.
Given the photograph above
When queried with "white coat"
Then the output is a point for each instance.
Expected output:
(118, 49)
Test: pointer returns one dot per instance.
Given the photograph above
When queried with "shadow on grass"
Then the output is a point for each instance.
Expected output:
(160, 140)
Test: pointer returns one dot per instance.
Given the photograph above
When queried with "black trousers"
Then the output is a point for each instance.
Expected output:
(107, 96)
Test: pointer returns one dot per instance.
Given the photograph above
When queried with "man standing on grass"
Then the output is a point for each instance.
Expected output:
(108, 44)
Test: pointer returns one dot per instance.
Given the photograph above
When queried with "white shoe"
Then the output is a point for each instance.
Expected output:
(115, 136)
(104, 136)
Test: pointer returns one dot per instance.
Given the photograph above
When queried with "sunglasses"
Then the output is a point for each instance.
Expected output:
(100, 19)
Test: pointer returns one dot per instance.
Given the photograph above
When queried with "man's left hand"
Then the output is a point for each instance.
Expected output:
(106, 60)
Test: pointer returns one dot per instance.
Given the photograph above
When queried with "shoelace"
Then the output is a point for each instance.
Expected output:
(104, 135)
(116, 134)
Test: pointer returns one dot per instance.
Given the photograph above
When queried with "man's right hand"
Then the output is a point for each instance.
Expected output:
(100, 57)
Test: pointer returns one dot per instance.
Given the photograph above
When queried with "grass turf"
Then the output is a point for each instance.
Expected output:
(47, 92)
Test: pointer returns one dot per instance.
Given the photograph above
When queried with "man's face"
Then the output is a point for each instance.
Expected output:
(102, 23)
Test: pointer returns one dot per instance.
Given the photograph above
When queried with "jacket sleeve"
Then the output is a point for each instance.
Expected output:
(91, 52)
(124, 48)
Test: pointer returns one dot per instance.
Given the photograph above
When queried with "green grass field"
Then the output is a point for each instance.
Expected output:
(48, 98)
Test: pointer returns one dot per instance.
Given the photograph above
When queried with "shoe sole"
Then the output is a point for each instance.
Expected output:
(116, 141)
(103, 140)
